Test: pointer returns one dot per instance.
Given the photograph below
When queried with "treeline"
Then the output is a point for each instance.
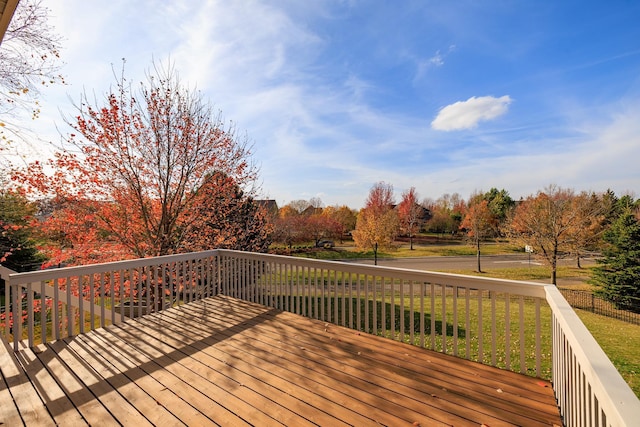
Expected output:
(553, 223)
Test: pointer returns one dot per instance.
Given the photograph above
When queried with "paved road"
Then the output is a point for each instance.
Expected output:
(465, 262)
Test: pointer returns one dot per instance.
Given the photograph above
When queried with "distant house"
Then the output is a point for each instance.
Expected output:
(311, 211)
(270, 205)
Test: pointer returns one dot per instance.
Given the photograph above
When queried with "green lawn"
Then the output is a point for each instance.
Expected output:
(620, 341)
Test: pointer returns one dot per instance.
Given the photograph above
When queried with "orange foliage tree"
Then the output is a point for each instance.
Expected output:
(411, 214)
(545, 222)
(224, 218)
(479, 222)
(136, 167)
(344, 219)
(377, 223)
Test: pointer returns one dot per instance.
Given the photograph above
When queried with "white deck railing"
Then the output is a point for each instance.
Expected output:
(520, 326)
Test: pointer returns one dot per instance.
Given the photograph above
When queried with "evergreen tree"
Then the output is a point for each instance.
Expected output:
(17, 248)
(618, 273)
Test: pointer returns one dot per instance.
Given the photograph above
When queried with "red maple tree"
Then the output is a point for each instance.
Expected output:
(130, 175)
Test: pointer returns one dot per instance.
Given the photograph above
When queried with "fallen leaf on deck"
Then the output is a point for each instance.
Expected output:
(499, 390)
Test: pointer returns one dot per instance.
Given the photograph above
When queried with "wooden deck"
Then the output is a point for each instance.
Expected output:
(227, 362)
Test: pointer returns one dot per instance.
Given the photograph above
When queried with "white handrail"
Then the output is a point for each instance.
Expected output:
(589, 389)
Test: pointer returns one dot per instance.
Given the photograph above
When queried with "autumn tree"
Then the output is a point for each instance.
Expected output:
(544, 222)
(288, 226)
(479, 223)
(617, 275)
(446, 213)
(410, 214)
(344, 217)
(319, 227)
(586, 232)
(223, 217)
(29, 61)
(142, 155)
(377, 223)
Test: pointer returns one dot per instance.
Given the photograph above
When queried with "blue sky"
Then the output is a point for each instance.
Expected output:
(444, 96)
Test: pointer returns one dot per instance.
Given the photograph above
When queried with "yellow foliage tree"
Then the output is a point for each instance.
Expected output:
(377, 223)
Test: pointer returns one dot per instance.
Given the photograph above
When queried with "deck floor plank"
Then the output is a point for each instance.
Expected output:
(179, 386)
(261, 381)
(58, 404)
(378, 404)
(19, 400)
(131, 391)
(91, 409)
(400, 383)
(202, 392)
(110, 398)
(21, 393)
(223, 361)
(152, 383)
(219, 375)
(483, 393)
(277, 371)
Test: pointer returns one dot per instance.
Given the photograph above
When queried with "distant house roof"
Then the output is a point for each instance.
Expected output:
(270, 205)
(7, 7)
(311, 211)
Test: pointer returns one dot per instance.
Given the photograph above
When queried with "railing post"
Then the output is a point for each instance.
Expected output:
(16, 311)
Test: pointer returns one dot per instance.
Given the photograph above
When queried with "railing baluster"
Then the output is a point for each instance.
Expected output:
(507, 331)
(492, 295)
(455, 321)
(401, 335)
(443, 315)
(538, 339)
(43, 312)
(70, 316)
(366, 303)
(523, 363)
(30, 326)
(467, 325)
(412, 320)
(374, 328)
(423, 291)
(432, 314)
(480, 327)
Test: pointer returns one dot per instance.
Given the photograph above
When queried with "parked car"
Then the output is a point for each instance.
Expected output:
(327, 244)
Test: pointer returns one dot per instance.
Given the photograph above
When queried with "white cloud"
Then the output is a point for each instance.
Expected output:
(467, 114)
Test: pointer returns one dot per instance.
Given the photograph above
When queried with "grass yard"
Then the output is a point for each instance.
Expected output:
(536, 273)
(620, 341)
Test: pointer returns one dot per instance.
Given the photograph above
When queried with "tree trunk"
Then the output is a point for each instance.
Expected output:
(578, 260)
(375, 254)
(554, 264)
(478, 254)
